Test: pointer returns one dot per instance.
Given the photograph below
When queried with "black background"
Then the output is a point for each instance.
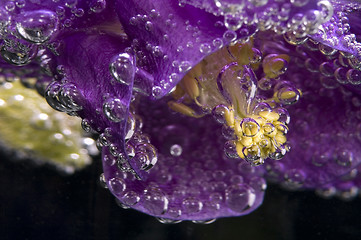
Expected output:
(36, 202)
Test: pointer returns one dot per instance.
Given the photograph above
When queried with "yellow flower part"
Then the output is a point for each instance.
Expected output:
(29, 126)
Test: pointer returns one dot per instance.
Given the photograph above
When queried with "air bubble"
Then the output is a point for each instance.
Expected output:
(354, 76)
(192, 205)
(176, 150)
(155, 201)
(240, 197)
(97, 6)
(205, 48)
(37, 26)
(114, 109)
(249, 127)
(230, 36)
(17, 53)
(122, 68)
(218, 113)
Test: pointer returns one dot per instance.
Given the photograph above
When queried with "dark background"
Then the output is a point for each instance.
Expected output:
(36, 202)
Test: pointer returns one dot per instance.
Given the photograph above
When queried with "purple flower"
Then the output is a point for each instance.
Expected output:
(241, 75)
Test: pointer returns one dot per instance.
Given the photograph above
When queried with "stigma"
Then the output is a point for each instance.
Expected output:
(244, 91)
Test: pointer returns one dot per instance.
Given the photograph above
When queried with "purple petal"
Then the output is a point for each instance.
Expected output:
(192, 180)
(169, 40)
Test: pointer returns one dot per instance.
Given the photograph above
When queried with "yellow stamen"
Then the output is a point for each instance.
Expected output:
(270, 116)
(191, 86)
(225, 80)
(181, 108)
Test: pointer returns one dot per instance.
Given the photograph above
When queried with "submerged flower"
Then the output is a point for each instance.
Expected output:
(198, 102)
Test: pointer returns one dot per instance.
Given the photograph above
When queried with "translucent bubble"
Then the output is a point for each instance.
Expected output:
(279, 153)
(311, 45)
(249, 127)
(252, 154)
(168, 221)
(130, 198)
(4, 19)
(320, 159)
(192, 205)
(328, 82)
(294, 178)
(149, 26)
(262, 107)
(341, 75)
(117, 186)
(218, 113)
(205, 48)
(70, 97)
(52, 97)
(354, 76)
(97, 6)
(326, 9)
(176, 150)
(291, 38)
(326, 68)
(311, 65)
(344, 158)
(185, 66)
(258, 183)
(230, 149)
(240, 197)
(258, 3)
(10, 6)
(114, 109)
(299, 3)
(326, 50)
(288, 95)
(155, 201)
(268, 128)
(217, 43)
(265, 83)
(228, 132)
(256, 57)
(122, 68)
(230, 36)
(205, 221)
(156, 91)
(102, 181)
(326, 192)
(103, 140)
(37, 26)
(146, 155)
(312, 18)
(85, 124)
(17, 53)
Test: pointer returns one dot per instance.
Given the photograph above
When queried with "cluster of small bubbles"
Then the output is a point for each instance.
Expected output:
(336, 67)
(137, 146)
(64, 97)
(17, 52)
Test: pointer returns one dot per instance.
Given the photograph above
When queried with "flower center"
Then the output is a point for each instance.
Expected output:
(225, 84)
